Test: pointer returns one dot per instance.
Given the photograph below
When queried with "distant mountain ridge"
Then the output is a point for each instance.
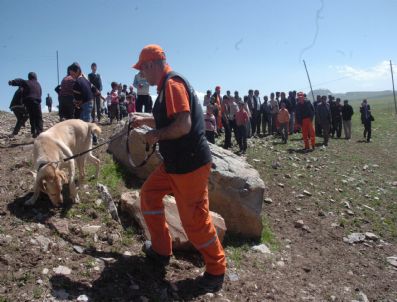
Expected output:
(354, 95)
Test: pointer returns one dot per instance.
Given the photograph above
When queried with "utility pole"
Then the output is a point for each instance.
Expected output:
(57, 67)
(310, 83)
(394, 92)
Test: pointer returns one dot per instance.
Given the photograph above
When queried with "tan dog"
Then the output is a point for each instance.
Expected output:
(64, 139)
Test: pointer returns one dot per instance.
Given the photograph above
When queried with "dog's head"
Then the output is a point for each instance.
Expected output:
(51, 180)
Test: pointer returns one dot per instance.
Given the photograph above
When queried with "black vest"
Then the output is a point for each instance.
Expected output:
(191, 151)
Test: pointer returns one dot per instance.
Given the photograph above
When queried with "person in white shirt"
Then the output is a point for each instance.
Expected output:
(143, 99)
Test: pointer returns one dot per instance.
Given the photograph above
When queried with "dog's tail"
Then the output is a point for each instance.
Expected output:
(94, 128)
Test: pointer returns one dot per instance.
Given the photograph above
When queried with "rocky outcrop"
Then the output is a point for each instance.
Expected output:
(236, 192)
(131, 204)
(235, 187)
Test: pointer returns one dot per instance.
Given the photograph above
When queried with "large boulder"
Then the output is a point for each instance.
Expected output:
(236, 192)
(235, 187)
(118, 148)
(131, 204)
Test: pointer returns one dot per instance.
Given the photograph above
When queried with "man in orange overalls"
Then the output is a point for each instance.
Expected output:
(179, 129)
(304, 117)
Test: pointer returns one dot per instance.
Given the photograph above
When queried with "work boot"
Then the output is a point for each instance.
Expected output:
(209, 283)
(154, 256)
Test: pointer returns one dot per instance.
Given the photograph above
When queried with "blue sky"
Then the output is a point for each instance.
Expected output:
(258, 44)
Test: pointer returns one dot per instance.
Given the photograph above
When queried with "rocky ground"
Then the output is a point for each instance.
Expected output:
(330, 231)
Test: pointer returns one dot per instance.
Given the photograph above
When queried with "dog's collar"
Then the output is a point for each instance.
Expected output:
(42, 165)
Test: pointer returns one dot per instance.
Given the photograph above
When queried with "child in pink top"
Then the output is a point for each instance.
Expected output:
(241, 122)
(131, 103)
(210, 124)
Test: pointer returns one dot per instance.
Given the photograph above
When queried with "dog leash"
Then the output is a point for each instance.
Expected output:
(128, 131)
(147, 148)
(96, 147)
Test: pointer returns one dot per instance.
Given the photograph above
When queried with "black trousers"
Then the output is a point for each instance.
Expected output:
(367, 130)
(66, 107)
(143, 100)
(22, 117)
(256, 122)
(35, 116)
(242, 137)
(210, 135)
(336, 127)
(266, 122)
(228, 133)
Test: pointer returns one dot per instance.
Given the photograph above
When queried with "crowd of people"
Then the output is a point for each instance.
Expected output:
(281, 116)
(80, 96)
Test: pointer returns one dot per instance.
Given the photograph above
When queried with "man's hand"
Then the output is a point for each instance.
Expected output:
(152, 137)
(137, 121)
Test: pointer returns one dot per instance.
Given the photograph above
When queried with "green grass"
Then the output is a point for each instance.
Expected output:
(111, 174)
(127, 236)
(342, 160)
(268, 236)
(37, 292)
(235, 254)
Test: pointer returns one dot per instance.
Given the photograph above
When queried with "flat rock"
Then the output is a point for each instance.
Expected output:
(61, 226)
(354, 238)
(44, 242)
(131, 204)
(78, 249)
(262, 248)
(371, 236)
(82, 298)
(62, 270)
(90, 229)
(299, 224)
(307, 193)
(268, 200)
(392, 260)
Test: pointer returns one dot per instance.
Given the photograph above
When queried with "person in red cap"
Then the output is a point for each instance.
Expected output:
(179, 130)
(304, 117)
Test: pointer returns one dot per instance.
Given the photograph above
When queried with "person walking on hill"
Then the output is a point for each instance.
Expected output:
(142, 87)
(266, 116)
(84, 94)
(32, 101)
(207, 99)
(336, 113)
(210, 124)
(274, 112)
(324, 119)
(304, 116)
(95, 79)
(19, 110)
(347, 113)
(366, 119)
(216, 101)
(66, 97)
(242, 120)
(283, 120)
(48, 102)
(179, 130)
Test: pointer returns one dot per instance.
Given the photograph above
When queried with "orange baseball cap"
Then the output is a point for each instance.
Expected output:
(150, 52)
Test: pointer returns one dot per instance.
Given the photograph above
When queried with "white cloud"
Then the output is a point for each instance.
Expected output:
(379, 71)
